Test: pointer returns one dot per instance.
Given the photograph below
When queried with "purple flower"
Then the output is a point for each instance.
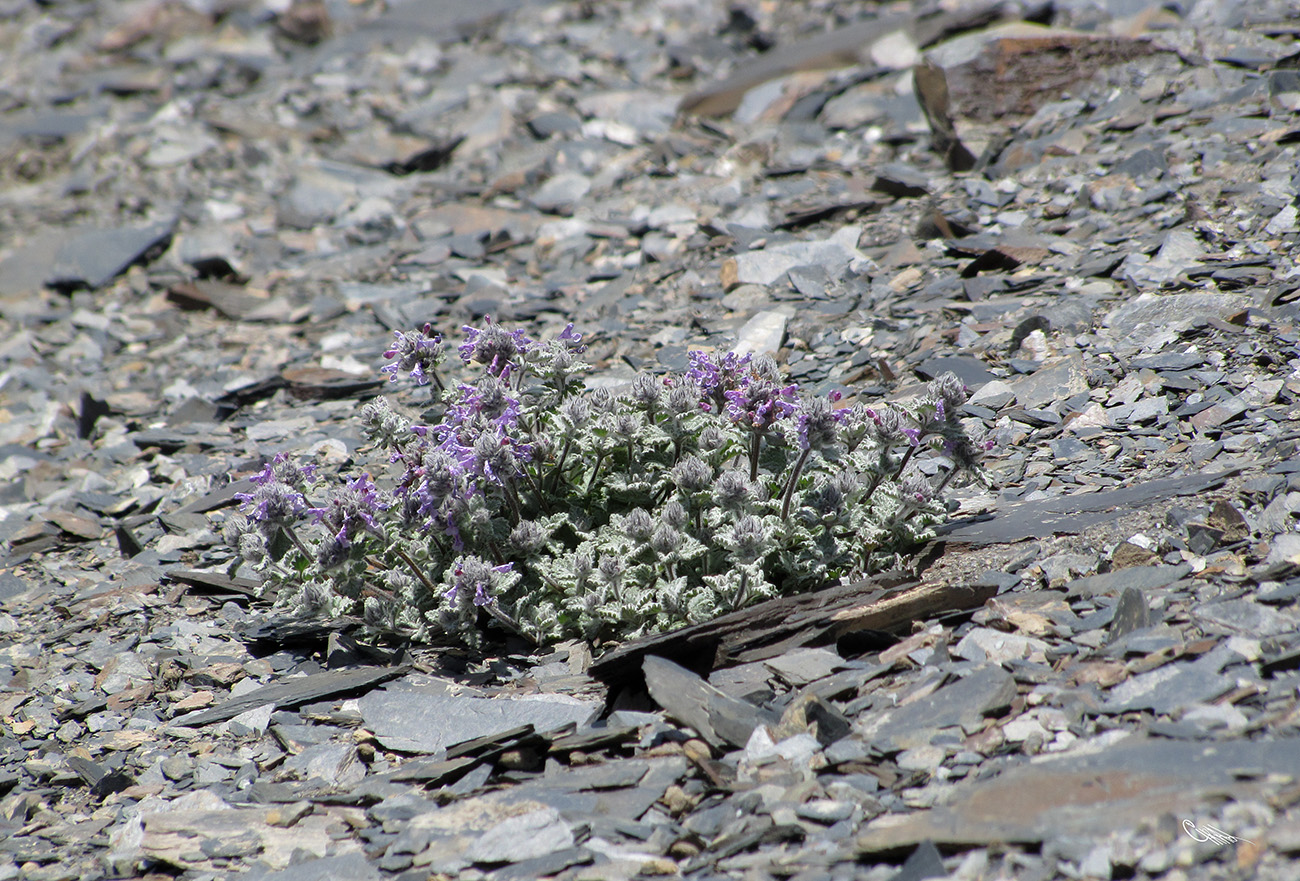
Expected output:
(638, 525)
(819, 424)
(474, 579)
(732, 491)
(281, 469)
(351, 510)
(273, 504)
(747, 539)
(888, 426)
(497, 456)
(716, 376)
(683, 399)
(417, 352)
(576, 411)
(916, 487)
(963, 453)
(493, 346)
(692, 475)
(572, 339)
(950, 392)
(489, 398)
(437, 480)
(760, 404)
(645, 393)
(333, 551)
(913, 436)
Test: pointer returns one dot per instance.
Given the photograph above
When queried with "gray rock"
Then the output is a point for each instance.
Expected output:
(93, 258)
(523, 837)
(802, 666)
(964, 704)
(1140, 779)
(560, 192)
(1179, 252)
(293, 692)
(345, 867)
(251, 722)
(690, 700)
(1051, 383)
(994, 394)
(1246, 617)
(824, 810)
(761, 335)
(971, 371)
(1169, 688)
(415, 720)
(1131, 613)
(1139, 578)
(332, 764)
(835, 255)
(1138, 320)
(899, 179)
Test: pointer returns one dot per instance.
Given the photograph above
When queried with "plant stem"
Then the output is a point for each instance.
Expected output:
(947, 479)
(416, 570)
(754, 441)
(907, 457)
(559, 466)
(744, 587)
(794, 478)
(513, 498)
(537, 491)
(293, 536)
(871, 487)
(377, 592)
(595, 469)
(510, 624)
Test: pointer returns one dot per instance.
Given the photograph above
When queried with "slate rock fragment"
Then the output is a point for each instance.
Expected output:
(719, 719)
(522, 837)
(1119, 787)
(1051, 383)
(1135, 578)
(1136, 321)
(973, 372)
(415, 720)
(931, 88)
(93, 258)
(1131, 613)
(294, 692)
(962, 704)
(1072, 513)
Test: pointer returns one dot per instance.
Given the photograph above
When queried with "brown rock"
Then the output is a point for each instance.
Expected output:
(1127, 555)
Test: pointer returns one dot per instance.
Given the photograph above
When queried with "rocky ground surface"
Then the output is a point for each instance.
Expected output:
(214, 213)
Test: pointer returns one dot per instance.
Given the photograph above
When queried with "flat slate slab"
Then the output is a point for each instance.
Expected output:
(1115, 789)
(1073, 513)
(414, 720)
(95, 257)
(294, 692)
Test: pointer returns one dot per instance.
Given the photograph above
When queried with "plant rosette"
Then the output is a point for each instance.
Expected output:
(534, 504)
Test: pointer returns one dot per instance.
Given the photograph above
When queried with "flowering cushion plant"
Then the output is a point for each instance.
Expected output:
(557, 511)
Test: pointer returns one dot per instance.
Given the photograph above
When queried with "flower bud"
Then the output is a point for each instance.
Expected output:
(674, 515)
(665, 540)
(692, 475)
(638, 525)
(732, 491)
